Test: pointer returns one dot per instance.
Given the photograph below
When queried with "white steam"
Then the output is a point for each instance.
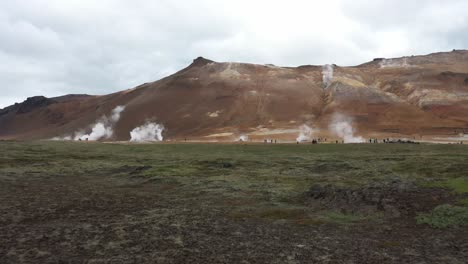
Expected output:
(65, 138)
(327, 75)
(243, 138)
(116, 113)
(305, 133)
(394, 63)
(147, 132)
(342, 126)
(104, 128)
(100, 130)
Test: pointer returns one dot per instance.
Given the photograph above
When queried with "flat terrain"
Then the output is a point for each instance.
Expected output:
(213, 203)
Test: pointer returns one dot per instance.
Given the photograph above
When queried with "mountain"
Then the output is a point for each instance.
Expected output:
(403, 97)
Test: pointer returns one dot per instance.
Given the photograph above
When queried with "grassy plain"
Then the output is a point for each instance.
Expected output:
(218, 203)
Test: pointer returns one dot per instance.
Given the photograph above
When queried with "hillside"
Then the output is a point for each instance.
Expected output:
(403, 97)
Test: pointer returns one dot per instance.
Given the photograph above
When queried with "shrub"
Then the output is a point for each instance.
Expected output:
(444, 216)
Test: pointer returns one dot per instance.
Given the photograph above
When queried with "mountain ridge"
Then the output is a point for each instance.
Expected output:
(412, 96)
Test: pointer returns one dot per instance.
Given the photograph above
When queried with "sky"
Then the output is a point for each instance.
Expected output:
(56, 47)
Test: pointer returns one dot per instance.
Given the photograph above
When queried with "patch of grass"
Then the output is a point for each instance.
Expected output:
(458, 185)
(463, 202)
(445, 216)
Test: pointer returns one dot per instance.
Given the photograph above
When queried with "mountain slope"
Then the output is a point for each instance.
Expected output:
(405, 97)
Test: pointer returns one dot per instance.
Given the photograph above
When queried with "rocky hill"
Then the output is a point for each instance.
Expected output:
(413, 97)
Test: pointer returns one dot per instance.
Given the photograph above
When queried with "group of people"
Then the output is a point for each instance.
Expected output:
(371, 141)
(317, 141)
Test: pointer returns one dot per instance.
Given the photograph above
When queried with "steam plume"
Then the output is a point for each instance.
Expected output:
(394, 63)
(104, 128)
(64, 138)
(342, 126)
(147, 132)
(327, 75)
(305, 133)
(116, 113)
(243, 138)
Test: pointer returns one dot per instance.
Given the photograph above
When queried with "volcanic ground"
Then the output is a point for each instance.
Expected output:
(416, 97)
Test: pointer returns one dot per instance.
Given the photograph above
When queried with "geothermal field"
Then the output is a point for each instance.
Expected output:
(227, 162)
(423, 98)
(234, 131)
(89, 202)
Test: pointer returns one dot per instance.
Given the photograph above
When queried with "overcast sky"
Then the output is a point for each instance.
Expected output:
(57, 47)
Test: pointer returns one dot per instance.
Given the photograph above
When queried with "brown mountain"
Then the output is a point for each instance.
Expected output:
(403, 97)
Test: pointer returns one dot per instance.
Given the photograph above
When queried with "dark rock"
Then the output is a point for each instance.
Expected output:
(394, 199)
(33, 103)
(200, 61)
(227, 165)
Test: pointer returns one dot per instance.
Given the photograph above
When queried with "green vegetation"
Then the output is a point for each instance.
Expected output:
(444, 216)
(458, 185)
(220, 203)
(463, 202)
(249, 180)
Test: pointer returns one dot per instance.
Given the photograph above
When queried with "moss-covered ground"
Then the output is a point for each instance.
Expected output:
(218, 203)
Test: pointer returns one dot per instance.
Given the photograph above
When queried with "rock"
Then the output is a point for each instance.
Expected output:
(200, 61)
(227, 165)
(393, 198)
(33, 103)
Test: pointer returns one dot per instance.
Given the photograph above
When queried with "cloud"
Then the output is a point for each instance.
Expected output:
(52, 47)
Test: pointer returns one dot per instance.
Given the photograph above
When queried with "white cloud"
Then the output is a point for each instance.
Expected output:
(54, 47)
